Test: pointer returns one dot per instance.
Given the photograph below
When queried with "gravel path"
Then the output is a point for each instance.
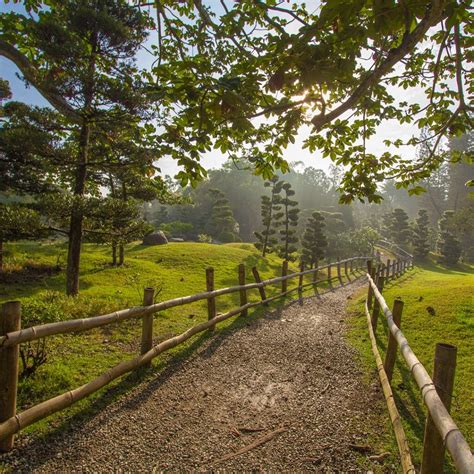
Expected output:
(290, 370)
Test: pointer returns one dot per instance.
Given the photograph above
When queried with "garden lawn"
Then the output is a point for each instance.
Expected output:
(438, 307)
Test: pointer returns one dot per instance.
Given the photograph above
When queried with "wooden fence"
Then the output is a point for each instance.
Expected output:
(11, 335)
(440, 430)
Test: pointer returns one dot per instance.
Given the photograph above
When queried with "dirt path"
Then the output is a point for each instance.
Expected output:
(291, 370)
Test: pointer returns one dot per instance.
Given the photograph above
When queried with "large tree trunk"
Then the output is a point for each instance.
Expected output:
(1, 255)
(77, 215)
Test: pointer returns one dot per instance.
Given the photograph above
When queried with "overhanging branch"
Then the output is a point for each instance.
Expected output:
(410, 40)
(31, 75)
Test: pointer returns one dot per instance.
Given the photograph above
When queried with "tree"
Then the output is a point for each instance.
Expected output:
(448, 245)
(17, 222)
(314, 240)
(336, 234)
(289, 222)
(421, 234)
(337, 69)
(271, 215)
(222, 224)
(362, 241)
(116, 222)
(80, 57)
(398, 227)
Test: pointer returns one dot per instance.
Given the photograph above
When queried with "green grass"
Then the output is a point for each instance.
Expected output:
(450, 293)
(176, 269)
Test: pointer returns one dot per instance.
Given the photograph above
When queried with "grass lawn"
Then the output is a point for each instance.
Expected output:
(439, 307)
(176, 269)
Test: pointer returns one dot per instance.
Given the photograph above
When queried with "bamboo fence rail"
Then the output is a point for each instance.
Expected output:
(16, 422)
(451, 435)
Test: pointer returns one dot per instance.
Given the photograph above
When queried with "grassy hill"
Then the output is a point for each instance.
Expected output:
(439, 307)
(176, 269)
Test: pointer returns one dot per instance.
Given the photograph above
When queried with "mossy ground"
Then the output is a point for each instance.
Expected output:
(438, 307)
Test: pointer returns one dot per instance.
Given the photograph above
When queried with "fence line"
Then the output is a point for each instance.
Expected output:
(11, 423)
(450, 434)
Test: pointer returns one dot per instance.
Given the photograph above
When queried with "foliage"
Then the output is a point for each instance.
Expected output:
(338, 69)
(17, 222)
(448, 245)
(336, 234)
(183, 230)
(314, 240)
(267, 240)
(362, 241)
(204, 238)
(398, 227)
(421, 233)
(289, 222)
(221, 224)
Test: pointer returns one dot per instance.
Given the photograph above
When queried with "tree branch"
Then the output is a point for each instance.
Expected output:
(31, 75)
(393, 57)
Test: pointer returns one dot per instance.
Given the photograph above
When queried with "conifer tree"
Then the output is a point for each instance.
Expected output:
(448, 245)
(335, 234)
(399, 227)
(288, 237)
(314, 241)
(222, 224)
(267, 240)
(421, 246)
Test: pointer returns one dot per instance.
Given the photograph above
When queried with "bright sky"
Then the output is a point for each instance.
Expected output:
(214, 159)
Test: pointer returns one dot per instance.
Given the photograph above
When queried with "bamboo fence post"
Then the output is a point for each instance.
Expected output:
(394, 270)
(387, 276)
(392, 346)
(284, 272)
(346, 271)
(211, 302)
(300, 282)
(10, 320)
(376, 308)
(329, 276)
(370, 292)
(261, 289)
(243, 292)
(351, 266)
(443, 379)
(147, 323)
(338, 269)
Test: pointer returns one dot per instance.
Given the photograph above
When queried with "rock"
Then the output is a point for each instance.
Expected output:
(155, 238)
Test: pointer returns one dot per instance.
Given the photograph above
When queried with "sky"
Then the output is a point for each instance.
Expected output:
(214, 159)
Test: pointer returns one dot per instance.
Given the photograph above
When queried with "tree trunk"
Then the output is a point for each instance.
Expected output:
(1, 255)
(114, 254)
(77, 215)
(121, 254)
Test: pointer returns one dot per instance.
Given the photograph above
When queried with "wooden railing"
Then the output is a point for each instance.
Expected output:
(11, 335)
(440, 430)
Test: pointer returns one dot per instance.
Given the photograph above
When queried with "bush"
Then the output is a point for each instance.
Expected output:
(227, 237)
(205, 238)
(183, 230)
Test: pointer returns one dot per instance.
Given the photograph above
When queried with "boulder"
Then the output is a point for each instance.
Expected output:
(155, 238)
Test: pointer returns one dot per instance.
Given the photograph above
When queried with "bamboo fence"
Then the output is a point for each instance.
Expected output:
(439, 422)
(12, 336)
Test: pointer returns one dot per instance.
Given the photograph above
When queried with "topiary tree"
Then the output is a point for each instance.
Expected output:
(335, 234)
(271, 215)
(448, 245)
(314, 241)
(222, 224)
(17, 222)
(421, 234)
(288, 237)
(399, 227)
